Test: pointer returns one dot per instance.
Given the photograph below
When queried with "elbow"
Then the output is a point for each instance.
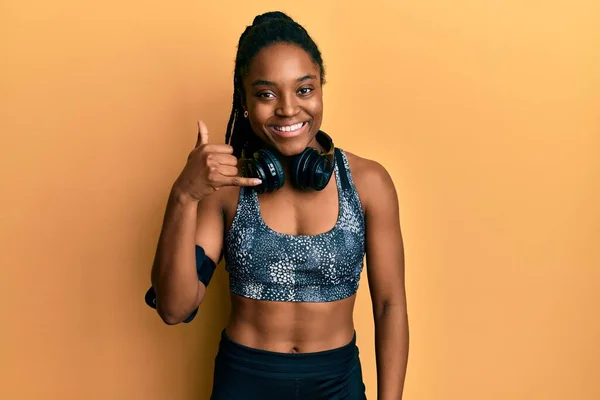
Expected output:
(167, 314)
(174, 310)
(386, 309)
(171, 317)
(173, 313)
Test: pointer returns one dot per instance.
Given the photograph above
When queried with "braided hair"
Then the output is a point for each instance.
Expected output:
(266, 29)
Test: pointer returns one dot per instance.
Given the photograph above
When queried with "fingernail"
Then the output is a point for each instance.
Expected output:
(257, 181)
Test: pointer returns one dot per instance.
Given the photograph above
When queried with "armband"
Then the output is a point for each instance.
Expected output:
(205, 267)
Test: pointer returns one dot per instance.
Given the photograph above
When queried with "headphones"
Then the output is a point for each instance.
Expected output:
(309, 170)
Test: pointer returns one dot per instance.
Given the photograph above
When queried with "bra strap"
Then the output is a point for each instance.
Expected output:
(341, 166)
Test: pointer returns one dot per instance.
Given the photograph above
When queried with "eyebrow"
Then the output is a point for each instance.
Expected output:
(262, 82)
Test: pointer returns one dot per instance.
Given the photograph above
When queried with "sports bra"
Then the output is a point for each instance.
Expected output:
(267, 265)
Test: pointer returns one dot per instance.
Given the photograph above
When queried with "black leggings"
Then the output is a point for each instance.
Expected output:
(244, 373)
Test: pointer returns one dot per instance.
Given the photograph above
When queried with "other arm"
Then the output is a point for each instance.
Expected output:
(385, 271)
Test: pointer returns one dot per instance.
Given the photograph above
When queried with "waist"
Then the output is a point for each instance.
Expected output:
(283, 326)
(335, 360)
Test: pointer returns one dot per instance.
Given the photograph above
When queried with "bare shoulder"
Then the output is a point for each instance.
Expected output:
(371, 178)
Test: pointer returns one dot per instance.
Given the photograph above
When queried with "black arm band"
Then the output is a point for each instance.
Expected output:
(205, 267)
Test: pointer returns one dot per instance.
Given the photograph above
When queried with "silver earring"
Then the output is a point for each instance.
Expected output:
(246, 114)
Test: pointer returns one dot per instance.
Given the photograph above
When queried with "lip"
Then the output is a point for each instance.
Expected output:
(289, 134)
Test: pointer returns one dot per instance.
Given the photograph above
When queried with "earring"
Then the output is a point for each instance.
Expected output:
(246, 114)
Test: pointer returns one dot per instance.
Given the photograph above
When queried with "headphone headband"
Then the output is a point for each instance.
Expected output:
(327, 143)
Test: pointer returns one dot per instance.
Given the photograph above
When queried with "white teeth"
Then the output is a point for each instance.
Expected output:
(289, 128)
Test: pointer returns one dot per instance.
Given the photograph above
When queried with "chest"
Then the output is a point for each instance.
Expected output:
(291, 212)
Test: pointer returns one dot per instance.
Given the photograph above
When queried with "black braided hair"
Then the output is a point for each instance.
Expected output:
(266, 29)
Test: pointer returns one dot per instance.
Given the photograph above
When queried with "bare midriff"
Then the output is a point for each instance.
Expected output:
(291, 327)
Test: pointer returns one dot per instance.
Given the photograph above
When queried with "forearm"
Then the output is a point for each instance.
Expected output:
(174, 275)
(391, 350)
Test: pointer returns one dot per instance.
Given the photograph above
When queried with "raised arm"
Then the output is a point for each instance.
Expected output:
(193, 219)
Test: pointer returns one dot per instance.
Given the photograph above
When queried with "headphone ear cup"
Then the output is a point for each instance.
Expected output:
(298, 169)
(322, 171)
(319, 171)
(310, 170)
(251, 168)
(270, 171)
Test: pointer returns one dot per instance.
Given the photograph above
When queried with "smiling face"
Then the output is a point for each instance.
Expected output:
(284, 98)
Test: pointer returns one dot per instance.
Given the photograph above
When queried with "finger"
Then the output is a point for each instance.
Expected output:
(218, 148)
(227, 171)
(223, 159)
(239, 181)
(202, 134)
(221, 180)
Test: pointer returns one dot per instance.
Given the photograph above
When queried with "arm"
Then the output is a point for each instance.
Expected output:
(186, 223)
(194, 216)
(385, 272)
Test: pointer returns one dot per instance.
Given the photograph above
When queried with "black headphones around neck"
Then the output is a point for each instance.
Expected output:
(309, 170)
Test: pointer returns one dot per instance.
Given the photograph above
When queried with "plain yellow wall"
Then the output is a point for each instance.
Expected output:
(486, 113)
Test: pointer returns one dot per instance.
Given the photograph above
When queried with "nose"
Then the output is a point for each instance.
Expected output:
(287, 106)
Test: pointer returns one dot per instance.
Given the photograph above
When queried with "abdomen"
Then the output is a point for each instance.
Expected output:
(291, 326)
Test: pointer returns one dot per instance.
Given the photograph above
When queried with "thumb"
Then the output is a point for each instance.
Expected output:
(202, 134)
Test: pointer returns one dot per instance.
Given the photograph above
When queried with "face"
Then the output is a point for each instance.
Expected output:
(284, 98)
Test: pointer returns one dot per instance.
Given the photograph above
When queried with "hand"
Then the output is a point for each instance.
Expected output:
(209, 167)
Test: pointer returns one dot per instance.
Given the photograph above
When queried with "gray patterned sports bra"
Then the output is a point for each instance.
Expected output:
(267, 265)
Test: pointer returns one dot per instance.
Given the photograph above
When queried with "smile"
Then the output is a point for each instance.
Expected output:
(289, 130)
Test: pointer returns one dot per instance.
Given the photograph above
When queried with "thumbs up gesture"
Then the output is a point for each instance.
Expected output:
(210, 167)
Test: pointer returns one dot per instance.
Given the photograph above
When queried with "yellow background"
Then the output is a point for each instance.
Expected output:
(486, 113)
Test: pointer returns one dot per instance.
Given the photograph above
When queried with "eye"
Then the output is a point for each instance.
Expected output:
(265, 95)
(305, 90)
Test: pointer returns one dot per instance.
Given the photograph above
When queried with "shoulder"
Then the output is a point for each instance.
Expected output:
(372, 180)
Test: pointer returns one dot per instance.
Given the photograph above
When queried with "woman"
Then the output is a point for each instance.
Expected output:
(293, 240)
